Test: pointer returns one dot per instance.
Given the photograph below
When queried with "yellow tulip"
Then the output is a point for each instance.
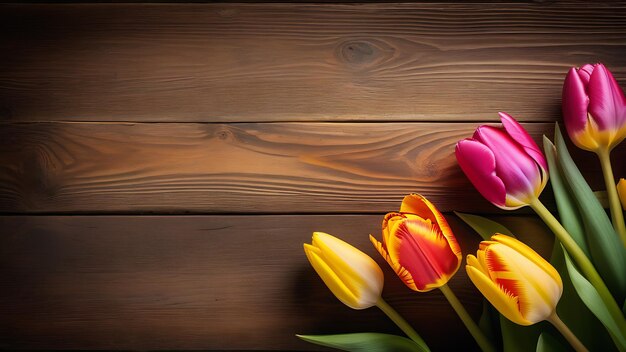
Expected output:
(522, 285)
(351, 275)
(621, 190)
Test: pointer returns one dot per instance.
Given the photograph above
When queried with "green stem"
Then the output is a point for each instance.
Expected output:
(617, 214)
(400, 322)
(478, 335)
(581, 259)
(566, 332)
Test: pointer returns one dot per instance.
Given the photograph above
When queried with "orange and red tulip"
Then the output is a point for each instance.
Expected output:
(419, 245)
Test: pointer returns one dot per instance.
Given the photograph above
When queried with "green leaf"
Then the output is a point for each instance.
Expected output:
(365, 342)
(607, 252)
(568, 213)
(592, 300)
(575, 313)
(517, 338)
(549, 343)
(485, 227)
(571, 309)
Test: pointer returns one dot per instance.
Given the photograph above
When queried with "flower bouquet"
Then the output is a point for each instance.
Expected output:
(583, 284)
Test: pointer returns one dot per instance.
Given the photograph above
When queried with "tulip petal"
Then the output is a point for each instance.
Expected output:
(418, 204)
(530, 254)
(400, 271)
(357, 271)
(479, 164)
(481, 258)
(521, 136)
(536, 291)
(330, 278)
(574, 104)
(505, 303)
(390, 222)
(520, 173)
(607, 104)
(585, 73)
(515, 166)
(419, 246)
(474, 262)
(621, 191)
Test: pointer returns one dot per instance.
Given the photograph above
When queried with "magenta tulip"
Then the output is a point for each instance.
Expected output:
(504, 164)
(594, 108)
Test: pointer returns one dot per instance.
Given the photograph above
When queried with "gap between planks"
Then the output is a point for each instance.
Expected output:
(343, 121)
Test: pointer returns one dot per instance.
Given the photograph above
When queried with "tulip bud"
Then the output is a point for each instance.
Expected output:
(504, 164)
(621, 190)
(594, 108)
(419, 245)
(352, 276)
(522, 285)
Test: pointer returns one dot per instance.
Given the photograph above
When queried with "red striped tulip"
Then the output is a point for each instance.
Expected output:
(522, 286)
(351, 275)
(594, 108)
(419, 245)
(504, 164)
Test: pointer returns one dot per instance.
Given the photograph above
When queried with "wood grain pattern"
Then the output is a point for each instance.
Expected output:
(288, 62)
(249, 168)
(269, 122)
(202, 282)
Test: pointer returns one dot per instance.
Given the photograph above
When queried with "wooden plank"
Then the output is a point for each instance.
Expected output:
(241, 168)
(291, 1)
(304, 62)
(202, 282)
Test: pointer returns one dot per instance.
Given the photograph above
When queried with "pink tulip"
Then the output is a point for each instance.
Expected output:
(594, 108)
(504, 164)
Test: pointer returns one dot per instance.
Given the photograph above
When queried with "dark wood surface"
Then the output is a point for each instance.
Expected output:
(201, 282)
(298, 62)
(162, 164)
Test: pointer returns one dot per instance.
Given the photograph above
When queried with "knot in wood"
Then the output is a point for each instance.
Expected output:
(224, 134)
(357, 52)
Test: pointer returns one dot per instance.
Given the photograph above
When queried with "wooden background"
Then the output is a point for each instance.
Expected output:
(162, 164)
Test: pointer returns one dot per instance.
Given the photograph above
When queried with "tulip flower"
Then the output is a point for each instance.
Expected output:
(515, 279)
(594, 110)
(418, 244)
(621, 190)
(504, 164)
(353, 277)
(508, 169)
(519, 283)
(420, 247)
